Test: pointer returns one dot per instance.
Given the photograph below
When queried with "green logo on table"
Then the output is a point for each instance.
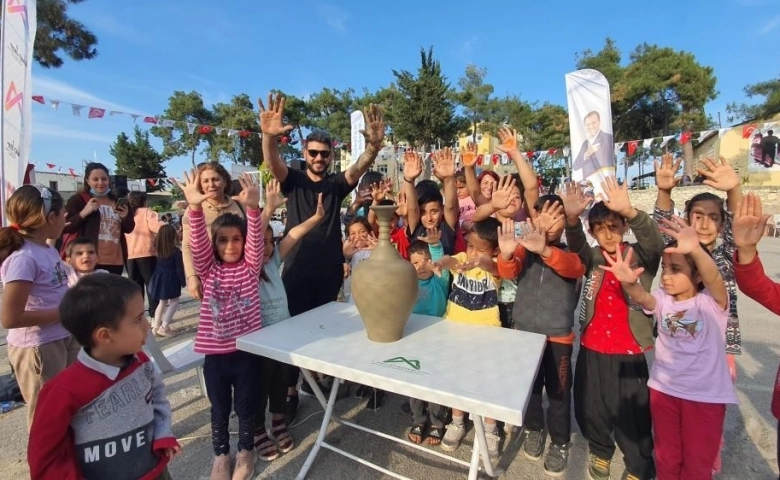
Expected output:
(415, 364)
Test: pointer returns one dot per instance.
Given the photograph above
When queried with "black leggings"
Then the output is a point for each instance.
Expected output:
(140, 270)
(115, 269)
(272, 390)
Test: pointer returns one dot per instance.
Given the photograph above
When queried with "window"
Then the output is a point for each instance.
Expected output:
(382, 169)
(53, 186)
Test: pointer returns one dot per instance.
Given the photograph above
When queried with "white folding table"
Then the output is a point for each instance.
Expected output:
(486, 371)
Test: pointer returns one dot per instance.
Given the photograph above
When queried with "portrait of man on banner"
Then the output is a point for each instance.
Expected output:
(597, 151)
(590, 125)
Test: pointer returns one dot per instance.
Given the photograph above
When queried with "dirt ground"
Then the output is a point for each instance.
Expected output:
(750, 438)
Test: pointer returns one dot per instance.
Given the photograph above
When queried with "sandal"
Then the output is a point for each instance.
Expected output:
(435, 436)
(265, 447)
(283, 438)
(416, 434)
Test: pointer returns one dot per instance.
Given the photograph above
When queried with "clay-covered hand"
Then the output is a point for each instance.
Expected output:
(508, 138)
(375, 126)
(468, 156)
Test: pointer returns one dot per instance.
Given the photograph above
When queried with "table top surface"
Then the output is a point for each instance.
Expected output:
(484, 370)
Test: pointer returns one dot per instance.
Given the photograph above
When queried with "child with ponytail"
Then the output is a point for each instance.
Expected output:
(34, 282)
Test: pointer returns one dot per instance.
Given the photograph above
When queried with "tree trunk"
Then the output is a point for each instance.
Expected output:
(688, 159)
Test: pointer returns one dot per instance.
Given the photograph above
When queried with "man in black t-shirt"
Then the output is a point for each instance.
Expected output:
(769, 148)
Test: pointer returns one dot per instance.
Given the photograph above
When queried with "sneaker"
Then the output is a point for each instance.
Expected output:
(533, 445)
(598, 468)
(492, 439)
(375, 401)
(245, 465)
(452, 437)
(220, 469)
(290, 409)
(557, 460)
(629, 476)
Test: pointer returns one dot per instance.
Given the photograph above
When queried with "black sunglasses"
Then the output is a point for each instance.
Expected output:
(321, 153)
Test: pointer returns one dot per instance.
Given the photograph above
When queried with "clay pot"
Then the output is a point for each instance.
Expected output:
(384, 286)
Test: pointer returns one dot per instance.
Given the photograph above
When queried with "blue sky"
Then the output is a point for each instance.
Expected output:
(149, 49)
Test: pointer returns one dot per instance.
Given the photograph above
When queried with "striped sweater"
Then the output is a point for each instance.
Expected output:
(231, 293)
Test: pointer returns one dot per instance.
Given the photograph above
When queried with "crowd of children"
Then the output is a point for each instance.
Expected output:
(488, 255)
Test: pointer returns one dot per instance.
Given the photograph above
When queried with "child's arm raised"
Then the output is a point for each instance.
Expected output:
(250, 199)
(722, 176)
(510, 261)
(629, 278)
(508, 145)
(468, 158)
(202, 252)
(273, 200)
(501, 199)
(413, 166)
(299, 231)
(688, 244)
(444, 170)
(665, 180)
(574, 203)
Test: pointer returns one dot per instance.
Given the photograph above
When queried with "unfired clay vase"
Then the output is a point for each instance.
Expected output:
(385, 285)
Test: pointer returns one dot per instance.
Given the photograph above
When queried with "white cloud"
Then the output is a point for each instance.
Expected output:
(52, 89)
(334, 16)
(52, 130)
(770, 25)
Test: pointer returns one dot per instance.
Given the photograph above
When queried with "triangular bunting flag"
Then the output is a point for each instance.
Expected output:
(205, 129)
(152, 120)
(72, 173)
(167, 123)
(39, 99)
(647, 143)
(666, 140)
(191, 128)
(747, 130)
(632, 146)
(220, 130)
(552, 151)
(152, 182)
(246, 133)
(96, 112)
(54, 104)
(619, 146)
(51, 166)
(232, 132)
(685, 137)
(135, 116)
(703, 134)
(114, 112)
(722, 131)
(76, 109)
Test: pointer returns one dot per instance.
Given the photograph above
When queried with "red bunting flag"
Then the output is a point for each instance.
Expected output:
(495, 159)
(72, 173)
(152, 120)
(529, 154)
(552, 151)
(39, 99)
(96, 112)
(685, 137)
(479, 159)
(244, 133)
(51, 166)
(632, 147)
(205, 129)
(152, 182)
(747, 130)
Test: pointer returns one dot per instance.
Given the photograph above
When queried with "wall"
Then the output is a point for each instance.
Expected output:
(645, 199)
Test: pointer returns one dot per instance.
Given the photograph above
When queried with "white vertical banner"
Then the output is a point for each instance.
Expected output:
(19, 24)
(590, 125)
(357, 141)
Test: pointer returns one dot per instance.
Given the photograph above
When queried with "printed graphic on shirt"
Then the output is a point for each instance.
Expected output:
(228, 311)
(475, 292)
(273, 309)
(110, 222)
(59, 276)
(126, 456)
(676, 323)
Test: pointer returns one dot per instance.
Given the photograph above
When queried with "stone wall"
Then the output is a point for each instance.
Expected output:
(645, 199)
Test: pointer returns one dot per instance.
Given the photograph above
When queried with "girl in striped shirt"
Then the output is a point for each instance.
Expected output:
(228, 266)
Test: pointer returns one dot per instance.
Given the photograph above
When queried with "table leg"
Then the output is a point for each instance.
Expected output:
(480, 444)
(315, 387)
(325, 422)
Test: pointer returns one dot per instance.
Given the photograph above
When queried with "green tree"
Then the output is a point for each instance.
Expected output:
(770, 107)
(482, 112)
(239, 115)
(329, 110)
(184, 108)
(57, 33)
(422, 112)
(137, 158)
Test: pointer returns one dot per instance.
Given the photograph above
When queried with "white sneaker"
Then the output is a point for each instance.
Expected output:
(452, 437)
(492, 439)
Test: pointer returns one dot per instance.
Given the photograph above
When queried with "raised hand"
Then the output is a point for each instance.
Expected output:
(413, 165)
(665, 172)
(432, 236)
(534, 238)
(549, 217)
(378, 191)
(719, 175)
(375, 126)
(508, 138)
(504, 193)
(190, 187)
(749, 222)
(468, 157)
(250, 192)
(678, 229)
(401, 207)
(319, 212)
(272, 119)
(617, 198)
(574, 201)
(621, 267)
(443, 164)
(273, 196)
(507, 242)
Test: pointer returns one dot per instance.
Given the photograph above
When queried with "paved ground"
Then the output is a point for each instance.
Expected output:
(750, 428)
